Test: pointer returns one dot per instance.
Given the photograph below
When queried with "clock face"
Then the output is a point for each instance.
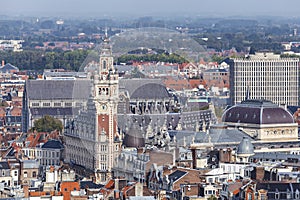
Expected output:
(103, 107)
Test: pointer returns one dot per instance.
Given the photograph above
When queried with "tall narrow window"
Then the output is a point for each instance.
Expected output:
(104, 64)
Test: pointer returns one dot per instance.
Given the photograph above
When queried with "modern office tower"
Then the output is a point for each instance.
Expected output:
(265, 76)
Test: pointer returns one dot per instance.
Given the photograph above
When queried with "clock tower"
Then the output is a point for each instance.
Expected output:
(106, 95)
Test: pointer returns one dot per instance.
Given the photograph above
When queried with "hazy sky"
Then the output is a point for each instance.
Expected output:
(101, 8)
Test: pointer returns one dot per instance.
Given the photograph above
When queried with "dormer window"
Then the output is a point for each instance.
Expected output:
(297, 194)
(277, 195)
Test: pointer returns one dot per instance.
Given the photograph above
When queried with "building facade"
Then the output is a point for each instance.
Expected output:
(265, 76)
(262, 120)
(61, 99)
(92, 140)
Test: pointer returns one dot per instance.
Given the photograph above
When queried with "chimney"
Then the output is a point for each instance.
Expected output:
(260, 173)
(3, 63)
(117, 184)
(139, 189)
(26, 191)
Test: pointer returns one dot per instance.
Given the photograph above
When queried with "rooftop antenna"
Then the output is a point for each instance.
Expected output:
(248, 93)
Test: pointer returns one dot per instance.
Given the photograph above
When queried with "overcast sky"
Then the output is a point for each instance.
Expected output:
(101, 8)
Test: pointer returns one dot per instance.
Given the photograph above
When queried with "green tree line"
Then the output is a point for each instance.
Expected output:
(72, 60)
(39, 60)
(163, 57)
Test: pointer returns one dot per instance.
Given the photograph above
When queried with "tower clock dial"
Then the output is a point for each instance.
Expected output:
(103, 107)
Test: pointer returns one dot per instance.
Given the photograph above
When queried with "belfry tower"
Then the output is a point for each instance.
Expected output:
(106, 97)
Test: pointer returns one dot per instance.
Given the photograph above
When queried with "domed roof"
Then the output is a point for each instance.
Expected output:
(245, 147)
(257, 112)
(150, 91)
(134, 137)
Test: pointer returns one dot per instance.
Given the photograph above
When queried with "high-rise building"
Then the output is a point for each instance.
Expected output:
(265, 76)
(92, 141)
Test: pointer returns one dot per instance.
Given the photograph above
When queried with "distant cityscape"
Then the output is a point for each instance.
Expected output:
(149, 109)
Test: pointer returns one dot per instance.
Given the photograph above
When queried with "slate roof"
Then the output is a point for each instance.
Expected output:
(275, 155)
(90, 185)
(65, 74)
(4, 165)
(245, 147)
(13, 119)
(278, 187)
(134, 137)
(124, 68)
(215, 70)
(53, 111)
(58, 89)
(130, 85)
(53, 144)
(150, 91)
(30, 164)
(171, 120)
(257, 112)
(8, 67)
(176, 175)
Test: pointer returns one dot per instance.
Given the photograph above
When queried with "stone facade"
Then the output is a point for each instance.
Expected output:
(92, 140)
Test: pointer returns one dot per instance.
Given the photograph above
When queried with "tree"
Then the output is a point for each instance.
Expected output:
(212, 198)
(47, 124)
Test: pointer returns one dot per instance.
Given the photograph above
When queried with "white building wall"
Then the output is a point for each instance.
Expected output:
(266, 76)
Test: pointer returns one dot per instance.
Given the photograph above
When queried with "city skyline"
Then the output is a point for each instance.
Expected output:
(128, 8)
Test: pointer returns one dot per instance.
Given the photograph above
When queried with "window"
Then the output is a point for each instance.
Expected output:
(16, 173)
(46, 104)
(35, 104)
(104, 64)
(250, 196)
(277, 195)
(102, 157)
(57, 104)
(297, 194)
(68, 104)
(25, 174)
(103, 166)
(288, 194)
(33, 174)
(103, 148)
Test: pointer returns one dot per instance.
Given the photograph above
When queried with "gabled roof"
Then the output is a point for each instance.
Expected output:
(8, 68)
(58, 89)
